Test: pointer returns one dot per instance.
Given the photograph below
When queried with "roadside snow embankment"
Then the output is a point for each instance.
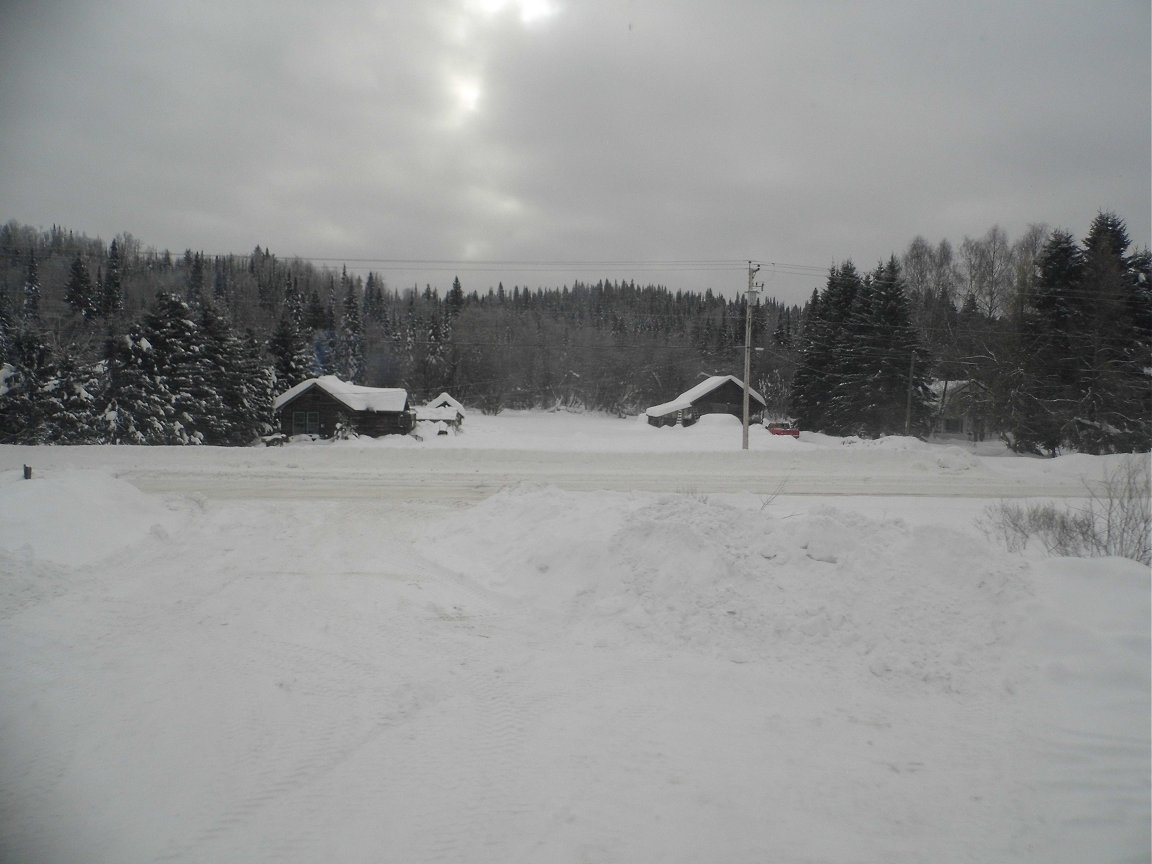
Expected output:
(914, 607)
(75, 518)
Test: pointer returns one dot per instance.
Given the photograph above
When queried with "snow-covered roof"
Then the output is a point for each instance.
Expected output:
(685, 399)
(445, 401)
(939, 385)
(356, 397)
(955, 390)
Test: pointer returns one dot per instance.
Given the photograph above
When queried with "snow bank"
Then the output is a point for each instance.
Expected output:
(915, 607)
(77, 517)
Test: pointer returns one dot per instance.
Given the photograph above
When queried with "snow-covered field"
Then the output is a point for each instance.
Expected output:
(561, 638)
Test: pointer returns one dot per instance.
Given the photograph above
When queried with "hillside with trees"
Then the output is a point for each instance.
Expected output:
(118, 343)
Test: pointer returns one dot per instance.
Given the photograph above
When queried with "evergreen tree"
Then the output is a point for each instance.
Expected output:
(823, 349)
(136, 406)
(294, 302)
(177, 355)
(112, 291)
(314, 313)
(7, 327)
(195, 289)
(239, 402)
(219, 283)
(30, 311)
(857, 347)
(884, 378)
(68, 401)
(25, 365)
(455, 299)
(24, 371)
(258, 391)
(1041, 399)
(373, 300)
(350, 341)
(1114, 409)
(292, 356)
(1080, 380)
(80, 293)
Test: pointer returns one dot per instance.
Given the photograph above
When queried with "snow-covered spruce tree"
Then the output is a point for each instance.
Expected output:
(7, 326)
(350, 339)
(258, 390)
(177, 351)
(136, 407)
(238, 405)
(24, 369)
(291, 351)
(68, 402)
(293, 301)
(25, 365)
(225, 420)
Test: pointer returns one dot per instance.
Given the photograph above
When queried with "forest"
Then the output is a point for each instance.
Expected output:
(122, 343)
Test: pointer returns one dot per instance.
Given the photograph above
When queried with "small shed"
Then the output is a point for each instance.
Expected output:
(959, 411)
(442, 409)
(719, 394)
(317, 406)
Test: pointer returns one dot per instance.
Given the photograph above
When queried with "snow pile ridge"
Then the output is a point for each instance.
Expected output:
(830, 588)
(77, 518)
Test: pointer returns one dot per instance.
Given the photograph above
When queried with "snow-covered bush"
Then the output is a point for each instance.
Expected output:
(1115, 521)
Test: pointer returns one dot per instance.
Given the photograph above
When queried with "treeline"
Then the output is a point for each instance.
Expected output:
(1052, 338)
(119, 343)
(78, 318)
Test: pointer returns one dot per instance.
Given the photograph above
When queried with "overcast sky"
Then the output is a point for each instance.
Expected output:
(637, 139)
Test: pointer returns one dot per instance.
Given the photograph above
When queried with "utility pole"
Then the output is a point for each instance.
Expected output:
(752, 271)
(908, 404)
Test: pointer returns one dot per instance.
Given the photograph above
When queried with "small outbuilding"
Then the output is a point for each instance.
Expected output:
(441, 410)
(320, 406)
(720, 394)
(960, 412)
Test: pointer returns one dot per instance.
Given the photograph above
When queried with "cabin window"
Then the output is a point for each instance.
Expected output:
(305, 422)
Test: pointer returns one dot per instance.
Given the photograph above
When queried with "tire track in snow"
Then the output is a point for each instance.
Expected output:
(335, 657)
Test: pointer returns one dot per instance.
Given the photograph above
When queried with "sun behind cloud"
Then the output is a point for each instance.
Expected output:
(470, 28)
(528, 11)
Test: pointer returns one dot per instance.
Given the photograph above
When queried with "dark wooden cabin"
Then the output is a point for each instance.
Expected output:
(720, 394)
(318, 405)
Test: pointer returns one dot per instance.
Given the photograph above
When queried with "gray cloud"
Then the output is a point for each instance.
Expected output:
(622, 131)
